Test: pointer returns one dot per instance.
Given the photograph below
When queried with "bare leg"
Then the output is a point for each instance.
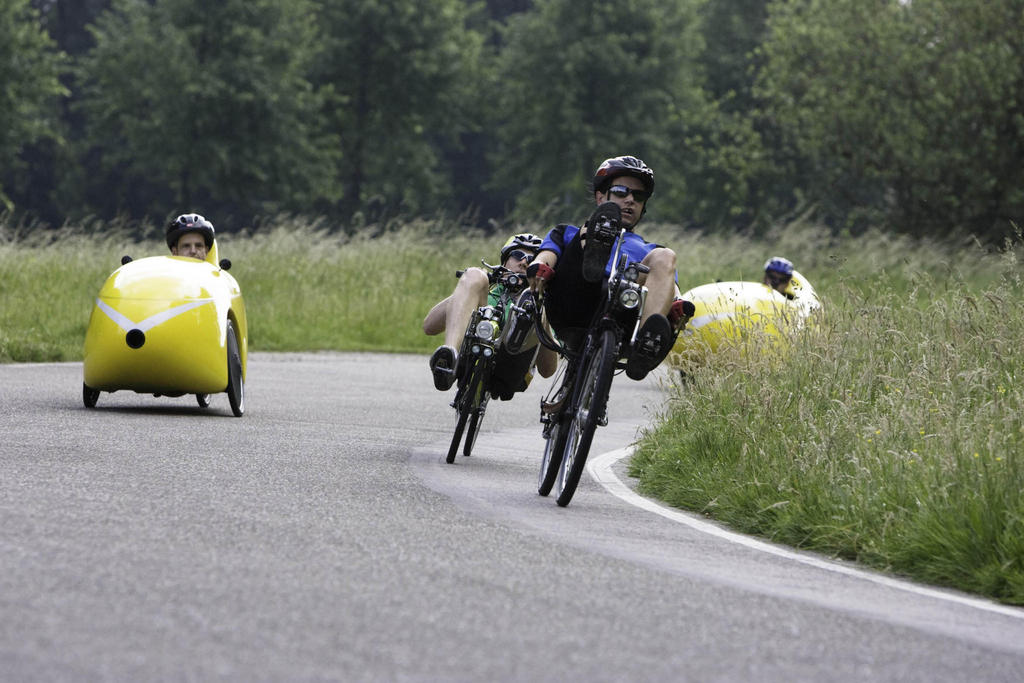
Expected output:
(469, 294)
(435, 320)
(661, 285)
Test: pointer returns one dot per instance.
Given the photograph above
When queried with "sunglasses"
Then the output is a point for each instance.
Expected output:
(622, 192)
(520, 255)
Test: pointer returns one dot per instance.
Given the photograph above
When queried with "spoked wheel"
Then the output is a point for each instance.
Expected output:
(474, 424)
(588, 406)
(460, 426)
(236, 386)
(203, 400)
(554, 446)
(556, 428)
(471, 402)
(466, 402)
(90, 396)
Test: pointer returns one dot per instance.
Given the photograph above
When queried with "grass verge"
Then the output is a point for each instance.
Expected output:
(889, 432)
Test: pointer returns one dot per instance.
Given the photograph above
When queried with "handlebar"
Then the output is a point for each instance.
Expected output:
(543, 336)
(621, 276)
(512, 281)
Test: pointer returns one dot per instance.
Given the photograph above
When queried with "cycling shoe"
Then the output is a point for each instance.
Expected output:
(442, 365)
(602, 229)
(653, 342)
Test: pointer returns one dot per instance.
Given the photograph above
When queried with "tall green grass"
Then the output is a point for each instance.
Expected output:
(889, 431)
(310, 288)
(48, 280)
(306, 287)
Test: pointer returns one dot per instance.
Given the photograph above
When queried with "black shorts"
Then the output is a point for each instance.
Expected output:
(569, 300)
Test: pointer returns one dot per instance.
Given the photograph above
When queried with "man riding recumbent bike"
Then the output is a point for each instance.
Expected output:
(613, 300)
(576, 405)
(491, 348)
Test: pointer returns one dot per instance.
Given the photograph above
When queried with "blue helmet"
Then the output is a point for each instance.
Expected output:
(777, 264)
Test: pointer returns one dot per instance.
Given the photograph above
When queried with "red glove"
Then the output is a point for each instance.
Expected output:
(541, 271)
(680, 313)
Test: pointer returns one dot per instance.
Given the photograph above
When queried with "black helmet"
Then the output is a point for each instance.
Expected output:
(620, 166)
(523, 240)
(189, 222)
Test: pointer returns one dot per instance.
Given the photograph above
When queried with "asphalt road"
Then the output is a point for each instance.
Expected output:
(322, 537)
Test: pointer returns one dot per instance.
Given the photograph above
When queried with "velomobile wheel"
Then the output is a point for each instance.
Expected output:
(236, 386)
(90, 396)
(203, 400)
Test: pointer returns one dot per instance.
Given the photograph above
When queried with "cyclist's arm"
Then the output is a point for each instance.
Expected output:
(547, 258)
(547, 359)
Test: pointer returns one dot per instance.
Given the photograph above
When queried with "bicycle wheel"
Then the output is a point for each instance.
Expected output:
(589, 402)
(460, 427)
(554, 446)
(474, 424)
(466, 401)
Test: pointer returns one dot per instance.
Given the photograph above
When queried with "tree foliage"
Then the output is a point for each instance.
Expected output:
(398, 77)
(578, 85)
(899, 113)
(30, 69)
(908, 113)
(199, 105)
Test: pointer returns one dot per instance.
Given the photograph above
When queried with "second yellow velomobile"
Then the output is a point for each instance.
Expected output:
(727, 312)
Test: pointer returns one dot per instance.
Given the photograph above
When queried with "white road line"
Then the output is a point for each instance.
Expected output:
(600, 469)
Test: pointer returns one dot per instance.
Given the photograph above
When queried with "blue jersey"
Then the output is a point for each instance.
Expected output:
(635, 249)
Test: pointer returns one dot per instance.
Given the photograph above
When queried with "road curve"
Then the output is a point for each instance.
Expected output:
(322, 537)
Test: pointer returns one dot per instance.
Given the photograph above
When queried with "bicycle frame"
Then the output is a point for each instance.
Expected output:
(581, 397)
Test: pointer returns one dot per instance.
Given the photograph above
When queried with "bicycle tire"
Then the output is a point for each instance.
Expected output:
(589, 402)
(474, 425)
(465, 405)
(551, 461)
(460, 427)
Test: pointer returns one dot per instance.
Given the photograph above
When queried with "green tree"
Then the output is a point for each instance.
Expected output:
(399, 81)
(67, 21)
(500, 9)
(904, 112)
(732, 33)
(206, 106)
(576, 86)
(732, 178)
(30, 68)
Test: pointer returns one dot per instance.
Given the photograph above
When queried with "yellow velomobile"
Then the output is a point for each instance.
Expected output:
(168, 325)
(726, 312)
